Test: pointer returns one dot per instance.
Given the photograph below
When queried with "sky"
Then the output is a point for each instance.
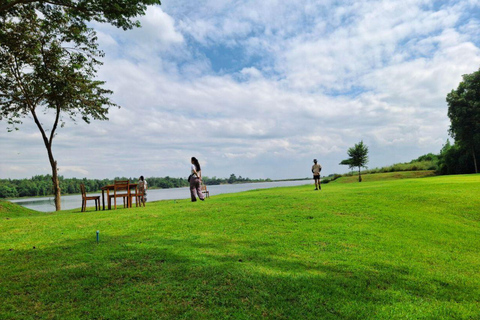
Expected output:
(261, 88)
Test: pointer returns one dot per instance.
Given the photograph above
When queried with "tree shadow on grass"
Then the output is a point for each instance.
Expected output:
(155, 278)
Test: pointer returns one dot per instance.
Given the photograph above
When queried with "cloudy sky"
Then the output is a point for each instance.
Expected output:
(260, 88)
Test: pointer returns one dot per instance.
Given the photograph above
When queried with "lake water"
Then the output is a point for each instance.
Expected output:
(75, 201)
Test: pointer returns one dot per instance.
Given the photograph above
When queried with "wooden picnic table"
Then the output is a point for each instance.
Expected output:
(109, 188)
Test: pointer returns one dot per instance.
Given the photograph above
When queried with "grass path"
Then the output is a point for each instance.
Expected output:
(401, 249)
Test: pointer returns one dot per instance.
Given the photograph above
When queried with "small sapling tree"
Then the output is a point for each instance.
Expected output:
(358, 157)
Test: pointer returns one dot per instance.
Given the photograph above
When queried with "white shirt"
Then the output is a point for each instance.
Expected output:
(142, 185)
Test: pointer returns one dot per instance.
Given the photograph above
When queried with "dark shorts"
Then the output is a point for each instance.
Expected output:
(316, 177)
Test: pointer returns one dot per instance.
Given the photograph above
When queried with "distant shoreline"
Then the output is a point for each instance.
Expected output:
(158, 188)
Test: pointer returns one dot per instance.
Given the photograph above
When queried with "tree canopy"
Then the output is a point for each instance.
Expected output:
(119, 13)
(358, 158)
(464, 114)
(49, 61)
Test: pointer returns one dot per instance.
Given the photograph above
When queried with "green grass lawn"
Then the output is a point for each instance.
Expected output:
(370, 177)
(399, 249)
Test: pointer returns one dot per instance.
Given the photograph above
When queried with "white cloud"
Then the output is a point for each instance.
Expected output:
(73, 170)
(371, 38)
(157, 36)
(312, 79)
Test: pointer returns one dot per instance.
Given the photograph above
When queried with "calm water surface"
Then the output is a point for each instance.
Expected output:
(75, 201)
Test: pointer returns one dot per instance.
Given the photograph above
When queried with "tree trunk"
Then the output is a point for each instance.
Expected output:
(53, 163)
(474, 159)
(359, 175)
(56, 183)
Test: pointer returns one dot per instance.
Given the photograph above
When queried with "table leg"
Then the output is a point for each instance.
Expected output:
(109, 202)
(103, 198)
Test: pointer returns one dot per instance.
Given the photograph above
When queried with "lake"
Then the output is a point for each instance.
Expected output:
(46, 204)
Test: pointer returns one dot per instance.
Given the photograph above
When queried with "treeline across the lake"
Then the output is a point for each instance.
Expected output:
(41, 185)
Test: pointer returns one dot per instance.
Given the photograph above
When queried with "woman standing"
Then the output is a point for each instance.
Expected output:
(195, 180)
(142, 188)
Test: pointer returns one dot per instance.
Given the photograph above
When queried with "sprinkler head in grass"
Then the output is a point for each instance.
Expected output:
(98, 233)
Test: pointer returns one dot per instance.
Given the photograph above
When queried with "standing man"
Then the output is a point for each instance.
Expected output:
(316, 168)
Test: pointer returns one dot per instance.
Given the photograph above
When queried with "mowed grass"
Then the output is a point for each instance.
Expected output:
(370, 177)
(401, 249)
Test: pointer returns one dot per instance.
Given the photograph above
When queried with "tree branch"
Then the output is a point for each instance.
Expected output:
(16, 72)
(55, 124)
(10, 5)
(58, 109)
(39, 125)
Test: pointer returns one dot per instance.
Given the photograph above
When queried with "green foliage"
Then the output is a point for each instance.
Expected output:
(404, 249)
(347, 162)
(48, 65)
(464, 114)
(41, 185)
(49, 61)
(358, 158)
(231, 180)
(429, 162)
(425, 158)
(8, 191)
(455, 159)
(119, 13)
(330, 178)
(413, 165)
(385, 176)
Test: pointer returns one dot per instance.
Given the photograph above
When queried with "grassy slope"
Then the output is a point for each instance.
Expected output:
(370, 177)
(403, 249)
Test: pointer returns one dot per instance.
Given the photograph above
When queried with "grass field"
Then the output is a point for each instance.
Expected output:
(370, 177)
(395, 249)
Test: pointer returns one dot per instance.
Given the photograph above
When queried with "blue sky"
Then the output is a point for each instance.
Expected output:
(260, 88)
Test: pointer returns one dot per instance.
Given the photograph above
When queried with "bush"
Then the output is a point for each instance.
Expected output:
(7, 191)
(455, 159)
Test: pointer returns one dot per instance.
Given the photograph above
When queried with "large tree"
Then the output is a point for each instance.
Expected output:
(464, 114)
(48, 61)
(47, 66)
(358, 157)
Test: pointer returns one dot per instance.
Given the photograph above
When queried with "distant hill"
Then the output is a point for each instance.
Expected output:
(426, 165)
